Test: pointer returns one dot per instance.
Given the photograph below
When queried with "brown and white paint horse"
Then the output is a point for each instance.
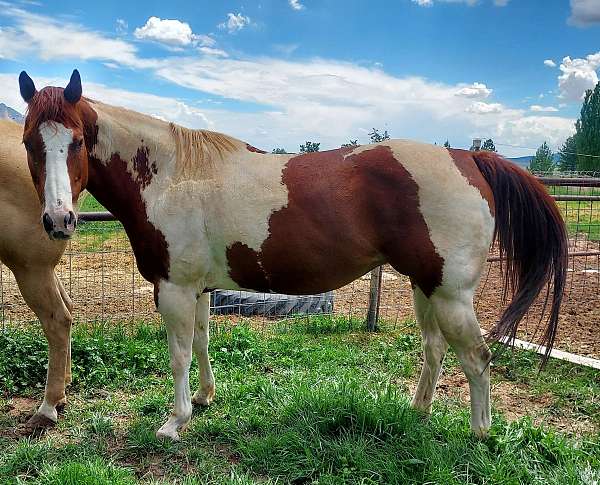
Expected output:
(204, 210)
(26, 250)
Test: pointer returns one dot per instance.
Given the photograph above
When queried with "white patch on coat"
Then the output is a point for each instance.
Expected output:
(201, 218)
(57, 189)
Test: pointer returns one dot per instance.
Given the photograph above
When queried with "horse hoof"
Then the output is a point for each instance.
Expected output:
(204, 398)
(166, 435)
(36, 425)
(481, 433)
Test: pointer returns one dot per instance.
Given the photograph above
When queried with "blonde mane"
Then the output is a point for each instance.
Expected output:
(197, 151)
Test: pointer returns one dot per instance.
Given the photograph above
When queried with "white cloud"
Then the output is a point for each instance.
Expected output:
(211, 51)
(578, 75)
(296, 5)
(549, 63)
(171, 32)
(584, 12)
(50, 39)
(542, 109)
(481, 108)
(235, 22)
(501, 3)
(158, 106)
(475, 90)
(321, 99)
(121, 26)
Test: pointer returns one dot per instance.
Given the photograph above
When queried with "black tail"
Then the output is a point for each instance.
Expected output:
(532, 238)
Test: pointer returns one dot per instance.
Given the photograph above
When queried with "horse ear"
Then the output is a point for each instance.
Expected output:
(26, 87)
(73, 89)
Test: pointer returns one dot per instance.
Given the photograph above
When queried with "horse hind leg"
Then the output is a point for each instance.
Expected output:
(434, 351)
(41, 293)
(457, 320)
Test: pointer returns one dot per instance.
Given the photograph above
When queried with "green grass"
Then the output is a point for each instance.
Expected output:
(91, 236)
(313, 401)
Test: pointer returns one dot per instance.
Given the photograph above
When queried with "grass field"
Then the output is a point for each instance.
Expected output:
(315, 401)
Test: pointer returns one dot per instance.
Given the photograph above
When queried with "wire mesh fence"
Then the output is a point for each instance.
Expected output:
(99, 272)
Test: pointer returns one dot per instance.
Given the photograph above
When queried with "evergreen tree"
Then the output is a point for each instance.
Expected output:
(309, 146)
(351, 143)
(489, 145)
(587, 137)
(279, 151)
(568, 155)
(377, 137)
(446, 144)
(543, 162)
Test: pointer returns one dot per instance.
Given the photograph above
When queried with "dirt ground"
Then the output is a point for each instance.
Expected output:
(104, 284)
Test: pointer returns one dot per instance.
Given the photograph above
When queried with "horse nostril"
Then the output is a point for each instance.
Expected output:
(70, 220)
(47, 221)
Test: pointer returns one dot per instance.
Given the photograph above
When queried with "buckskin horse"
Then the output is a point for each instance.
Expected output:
(204, 210)
(26, 250)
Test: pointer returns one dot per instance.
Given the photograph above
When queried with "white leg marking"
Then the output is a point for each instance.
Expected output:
(48, 410)
(57, 189)
(457, 320)
(434, 350)
(206, 390)
(176, 305)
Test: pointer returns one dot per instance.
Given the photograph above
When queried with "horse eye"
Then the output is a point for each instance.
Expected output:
(27, 145)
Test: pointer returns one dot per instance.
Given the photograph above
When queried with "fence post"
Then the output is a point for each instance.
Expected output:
(374, 299)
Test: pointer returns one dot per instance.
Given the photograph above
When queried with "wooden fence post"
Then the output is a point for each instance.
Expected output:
(374, 299)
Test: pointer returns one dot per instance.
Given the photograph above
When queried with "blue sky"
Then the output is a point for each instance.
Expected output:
(279, 72)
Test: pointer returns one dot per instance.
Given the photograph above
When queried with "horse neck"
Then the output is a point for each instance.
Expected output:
(131, 151)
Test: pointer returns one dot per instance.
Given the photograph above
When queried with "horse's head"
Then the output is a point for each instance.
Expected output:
(55, 140)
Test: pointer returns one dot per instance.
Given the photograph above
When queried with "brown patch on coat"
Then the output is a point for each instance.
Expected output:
(143, 168)
(247, 271)
(464, 161)
(250, 148)
(346, 214)
(117, 190)
(120, 192)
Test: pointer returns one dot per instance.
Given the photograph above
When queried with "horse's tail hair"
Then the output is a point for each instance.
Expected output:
(532, 238)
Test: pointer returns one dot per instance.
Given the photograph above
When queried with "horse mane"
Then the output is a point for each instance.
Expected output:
(197, 150)
(49, 104)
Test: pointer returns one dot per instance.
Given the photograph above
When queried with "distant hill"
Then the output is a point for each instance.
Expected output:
(7, 113)
(525, 161)
(522, 161)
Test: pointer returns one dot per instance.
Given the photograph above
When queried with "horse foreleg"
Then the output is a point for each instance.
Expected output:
(69, 304)
(434, 350)
(206, 388)
(42, 294)
(177, 304)
(456, 318)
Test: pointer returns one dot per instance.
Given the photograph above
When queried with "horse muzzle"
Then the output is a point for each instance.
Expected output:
(59, 225)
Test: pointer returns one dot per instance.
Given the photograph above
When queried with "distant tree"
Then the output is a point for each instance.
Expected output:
(279, 151)
(377, 137)
(489, 145)
(309, 146)
(351, 143)
(447, 144)
(543, 162)
(587, 135)
(568, 155)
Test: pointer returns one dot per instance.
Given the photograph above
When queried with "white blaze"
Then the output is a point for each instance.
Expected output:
(57, 189)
